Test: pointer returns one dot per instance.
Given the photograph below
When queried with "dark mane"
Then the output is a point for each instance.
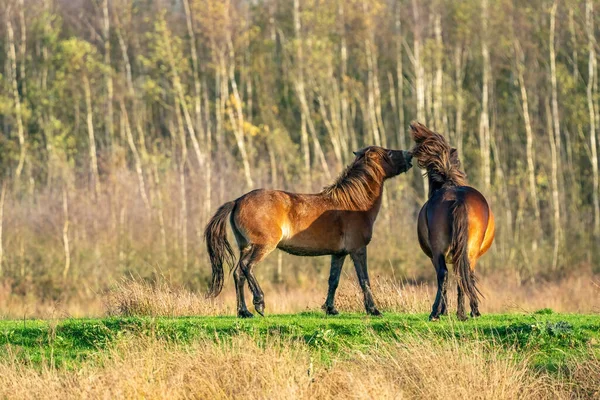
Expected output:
(354, 187)
(434, 154)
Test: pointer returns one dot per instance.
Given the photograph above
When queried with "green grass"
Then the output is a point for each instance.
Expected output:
(550, 339)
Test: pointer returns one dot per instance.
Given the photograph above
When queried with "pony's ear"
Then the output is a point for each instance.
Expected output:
(454, 160)
(360, 152)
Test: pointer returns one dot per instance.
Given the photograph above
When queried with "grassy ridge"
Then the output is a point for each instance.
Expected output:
(548, 337)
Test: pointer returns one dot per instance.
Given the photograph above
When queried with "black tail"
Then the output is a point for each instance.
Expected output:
(219, 249)
(460, 254)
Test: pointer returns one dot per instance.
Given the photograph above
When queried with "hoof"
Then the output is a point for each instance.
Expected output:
(331, 311)
(461, 317)
(475, 314)
(245, 314)
(260, 308)
(434, 318)
(374, 312)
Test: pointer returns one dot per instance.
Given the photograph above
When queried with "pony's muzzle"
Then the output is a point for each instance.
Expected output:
(408, 157)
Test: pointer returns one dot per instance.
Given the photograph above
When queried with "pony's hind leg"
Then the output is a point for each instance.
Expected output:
(240, 281)
(475, 309)
(337, 261)
(460, 304)
(257, 254)
(474, 303)
(442, 277)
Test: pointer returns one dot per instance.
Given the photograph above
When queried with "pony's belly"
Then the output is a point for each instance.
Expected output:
(305, 250)
(308, 243)
(322, 236)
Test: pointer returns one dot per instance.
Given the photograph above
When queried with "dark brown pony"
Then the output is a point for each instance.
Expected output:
(337, 222)
(456, 224)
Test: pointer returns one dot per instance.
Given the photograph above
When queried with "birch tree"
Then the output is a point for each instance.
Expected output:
(12, 72)
(107, 71)
(484, 119)
(401, 138)
(555, 139)
(520, 60)
(417, 62)
(592, 67)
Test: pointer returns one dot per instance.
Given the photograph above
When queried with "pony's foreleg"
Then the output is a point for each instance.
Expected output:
(442, 276)
(337, 261)
(240, 281)
(257, 254)
(360, 264)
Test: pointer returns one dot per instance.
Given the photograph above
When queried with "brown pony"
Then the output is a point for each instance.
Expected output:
(455, 225)
(337, 222)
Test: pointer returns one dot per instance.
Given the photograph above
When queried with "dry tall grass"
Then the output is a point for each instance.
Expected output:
(576, 293)
(243, 369)
(585, 379)
(135, 297)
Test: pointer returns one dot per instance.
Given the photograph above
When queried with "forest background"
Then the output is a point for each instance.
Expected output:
(124, 124)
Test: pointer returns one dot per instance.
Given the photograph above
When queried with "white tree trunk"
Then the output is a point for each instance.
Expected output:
(182, 190)
(91, 136)
(239, 122)
(65, 234)
(195, 70)
(2, 198)
(555, 139)
(300, 89)
(22, 47)
(160, 212)
(554, 182)
(529, 135)
(439, 76)
(419, 77)
(346, 120)
(419, 70)
(180, 99)
(460, 102)
(371, 95)
(589, 22)
(12, 64)
(401, 138)
(136, 155)
(484, 121)
(108, 71)
(555, 114)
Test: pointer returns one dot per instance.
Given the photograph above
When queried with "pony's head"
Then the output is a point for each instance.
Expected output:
(392, 162)
(434, 154)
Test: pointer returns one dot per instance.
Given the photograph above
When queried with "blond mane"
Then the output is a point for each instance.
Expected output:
(354, 188)
(434, 154)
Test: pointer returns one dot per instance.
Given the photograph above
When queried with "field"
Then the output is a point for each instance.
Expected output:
(537, 354)
(550, 339)
(125, 124)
